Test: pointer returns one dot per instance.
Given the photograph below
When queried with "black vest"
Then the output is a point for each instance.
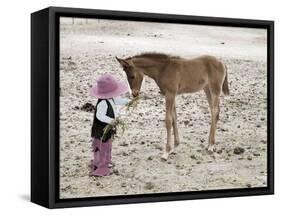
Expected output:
(98, 126)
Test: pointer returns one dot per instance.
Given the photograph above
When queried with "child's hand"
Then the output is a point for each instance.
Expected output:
(113, 122)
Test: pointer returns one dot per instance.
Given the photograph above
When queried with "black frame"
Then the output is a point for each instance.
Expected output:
(45, 106)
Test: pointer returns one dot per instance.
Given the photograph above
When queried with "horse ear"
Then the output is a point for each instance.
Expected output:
(123, 62)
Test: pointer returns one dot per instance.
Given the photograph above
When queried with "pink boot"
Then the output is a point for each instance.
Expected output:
(100, 162)
(109, 149)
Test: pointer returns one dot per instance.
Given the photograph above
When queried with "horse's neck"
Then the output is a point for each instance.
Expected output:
(148, 67)
(151, 73)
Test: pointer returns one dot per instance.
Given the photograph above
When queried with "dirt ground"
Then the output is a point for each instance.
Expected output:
(88, 49)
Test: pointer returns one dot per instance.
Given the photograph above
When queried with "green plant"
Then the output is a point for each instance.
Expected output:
(118, 122)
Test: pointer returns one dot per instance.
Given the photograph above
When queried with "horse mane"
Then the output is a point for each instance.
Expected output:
(152, 59)
(155, 56)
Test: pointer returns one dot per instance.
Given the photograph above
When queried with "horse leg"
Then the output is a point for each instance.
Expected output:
(208, 95)
(175, 127)
(209, 99)
(215, 118)
(170, 100)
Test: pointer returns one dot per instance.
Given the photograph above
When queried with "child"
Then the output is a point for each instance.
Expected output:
(107, 91)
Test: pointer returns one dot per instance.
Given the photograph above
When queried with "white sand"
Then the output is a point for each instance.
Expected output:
(88, 50)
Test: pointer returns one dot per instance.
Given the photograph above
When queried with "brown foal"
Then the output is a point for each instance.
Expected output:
(175, 75)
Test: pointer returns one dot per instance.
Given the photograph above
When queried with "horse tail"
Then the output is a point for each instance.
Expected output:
(225, 87)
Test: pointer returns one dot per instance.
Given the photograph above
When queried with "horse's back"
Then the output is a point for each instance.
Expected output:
(197, 72)
(212, 61)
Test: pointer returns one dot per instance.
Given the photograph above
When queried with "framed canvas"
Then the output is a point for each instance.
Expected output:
(133, 107)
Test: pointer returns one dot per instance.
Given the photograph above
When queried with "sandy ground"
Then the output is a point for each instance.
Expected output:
(88, 49)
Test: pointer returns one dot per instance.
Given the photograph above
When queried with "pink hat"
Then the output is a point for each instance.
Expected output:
(108, 87)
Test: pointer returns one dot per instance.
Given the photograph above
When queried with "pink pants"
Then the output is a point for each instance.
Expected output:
(102, 157)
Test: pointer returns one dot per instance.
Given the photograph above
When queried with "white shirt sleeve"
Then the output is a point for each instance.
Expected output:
(101, 113)
(120, 100)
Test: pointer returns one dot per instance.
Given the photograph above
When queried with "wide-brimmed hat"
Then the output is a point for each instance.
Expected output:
(108, 87)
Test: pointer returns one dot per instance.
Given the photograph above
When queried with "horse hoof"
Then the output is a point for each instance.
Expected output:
(165, 156)
(211, 148)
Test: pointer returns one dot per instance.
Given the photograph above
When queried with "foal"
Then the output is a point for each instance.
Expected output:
(175, 75)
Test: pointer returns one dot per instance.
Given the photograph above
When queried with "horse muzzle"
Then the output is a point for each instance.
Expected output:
(135, 93)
